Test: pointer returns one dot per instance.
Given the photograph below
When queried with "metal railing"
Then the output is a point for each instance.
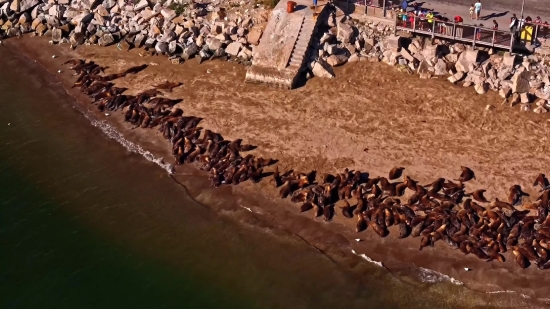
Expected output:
(456, 31)
(537, 34)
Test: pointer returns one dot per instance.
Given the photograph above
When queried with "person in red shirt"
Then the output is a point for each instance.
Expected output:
(458, 19)
(495, 25)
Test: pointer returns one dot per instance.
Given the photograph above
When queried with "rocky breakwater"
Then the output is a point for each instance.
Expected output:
(180, 30)
(344, 40)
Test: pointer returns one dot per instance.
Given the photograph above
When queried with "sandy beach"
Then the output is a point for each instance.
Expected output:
(370, 118)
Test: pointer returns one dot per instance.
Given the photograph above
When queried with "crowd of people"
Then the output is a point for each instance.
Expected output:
(408, 13)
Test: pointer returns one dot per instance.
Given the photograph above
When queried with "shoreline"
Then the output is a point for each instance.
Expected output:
(340, 234)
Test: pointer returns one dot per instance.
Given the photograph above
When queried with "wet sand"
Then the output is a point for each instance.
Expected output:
(430, 128)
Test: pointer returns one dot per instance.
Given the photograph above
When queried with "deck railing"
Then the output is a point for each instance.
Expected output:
(476, 35)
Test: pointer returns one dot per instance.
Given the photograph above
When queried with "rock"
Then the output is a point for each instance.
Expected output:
(524, 97)
(344, 33)
(332, 49)
(25, 5)
(35, 23)
(57, 35)
(213, 43)
(322, 69)
(15, 6)
(234, 48)
(24, 18)
(458, 76)
(440, 68)
(40, 29)
(102, 11)
(540, 110)
(190, 50)
(353, 58)
(141, 5)
(161, 47)
(405, 53)
(504, 92)
(254, 35)
(168, 14)
(106, 40)
(172, 46)
(423, 67)
(77, 39)
(84, 17)
(525, 107)
(520, 82)
(508, 59)
(481, 88)
(336, 60)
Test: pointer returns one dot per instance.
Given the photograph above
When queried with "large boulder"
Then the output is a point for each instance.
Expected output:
(141, 5)
(520, 82)
(254, 35)
(344, 33)
(77, 38)
(213, 43)
(322, 69)
(440, 68)
(106, 39)
(336, 60)
(27, 4)
(234, 48)
(161, 47)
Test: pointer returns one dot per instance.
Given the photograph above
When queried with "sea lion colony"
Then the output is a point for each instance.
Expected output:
(441, 210)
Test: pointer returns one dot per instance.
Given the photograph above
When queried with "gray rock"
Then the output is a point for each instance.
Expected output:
(141, 5)
(234, 48)
(508, 59)
(25, 5)
(336, 60)
(77, 38)
(520, 82)
(213, 43)
(161, 47)
(84, 17)
(172, 46)
(344, 33)
(440, 68)
(106, 40)
(191, 50)
(57, 35)
(405, 54)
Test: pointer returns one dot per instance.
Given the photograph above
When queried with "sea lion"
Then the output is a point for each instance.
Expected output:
(167, 86)
(346, 209)
(544, 198)
(361, 224)
(299, 196)
(136, 69)
(403, 230)
(437, 185)
(74, 62)
(541, 181)
(395, 173)
(466, 175)
(478, 196)
(328, 213)
(501, 205)
(425, 241)
(285, 189)
(515, 195)
(306, 206)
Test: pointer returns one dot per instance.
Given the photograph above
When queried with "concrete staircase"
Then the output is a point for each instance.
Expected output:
(283, 50)
(299, 52)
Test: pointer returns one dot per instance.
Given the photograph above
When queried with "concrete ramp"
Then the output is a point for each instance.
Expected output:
(283, 48)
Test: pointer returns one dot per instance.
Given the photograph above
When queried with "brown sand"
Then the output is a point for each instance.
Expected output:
(429, 127)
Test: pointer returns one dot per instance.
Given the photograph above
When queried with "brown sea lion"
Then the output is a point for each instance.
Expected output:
(501, 205)
(425, 241)
(478, 196)
(306, 206)
(395, 173)
(346, 209)
(437, 185)
(411, 184)
(74, 62)
(544, 198)
(515, 195)
(328, 213)
(361, 224)
(300, 196)
(167, 86)
(136, 69)
(466, 175)
(403, 230)
(541, 181)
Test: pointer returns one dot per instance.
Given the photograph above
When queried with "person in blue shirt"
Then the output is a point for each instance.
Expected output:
(404, 5)
(477, 8)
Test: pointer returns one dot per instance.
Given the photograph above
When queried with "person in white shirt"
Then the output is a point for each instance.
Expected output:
(477, 8)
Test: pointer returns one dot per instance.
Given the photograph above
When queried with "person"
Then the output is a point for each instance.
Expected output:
(422, 17)
(538, 20)
(404, 5)
(430, 18)
(513, 23)
(411, 19)
(458, 19)
(472, 12)
(495, 25)
(477, 7)
(404, 18)
(478, 32)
